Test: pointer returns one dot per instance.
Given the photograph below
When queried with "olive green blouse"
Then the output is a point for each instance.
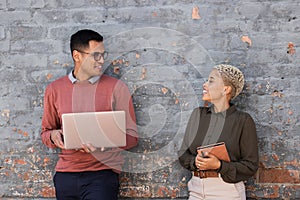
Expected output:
(235, 128)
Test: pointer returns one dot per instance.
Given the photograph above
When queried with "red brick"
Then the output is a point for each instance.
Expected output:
(278, 176)
(273, 191)
(47, 191)
(164, 191)
(136, 191)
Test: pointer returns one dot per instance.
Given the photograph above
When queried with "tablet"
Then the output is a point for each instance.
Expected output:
(217, 149)
(101, 129)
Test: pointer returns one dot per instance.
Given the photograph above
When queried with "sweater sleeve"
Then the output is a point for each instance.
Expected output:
(50, 120)
(247, 165)
(123, 101)
(186, 157)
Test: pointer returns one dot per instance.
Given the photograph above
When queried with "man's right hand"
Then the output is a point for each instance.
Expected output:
(57, 138)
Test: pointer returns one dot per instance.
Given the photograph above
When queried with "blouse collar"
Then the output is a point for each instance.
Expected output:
(229, 111)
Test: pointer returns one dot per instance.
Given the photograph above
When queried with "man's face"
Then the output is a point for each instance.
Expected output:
(86, 65)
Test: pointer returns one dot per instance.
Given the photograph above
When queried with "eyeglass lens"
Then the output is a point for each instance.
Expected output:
(98, 55)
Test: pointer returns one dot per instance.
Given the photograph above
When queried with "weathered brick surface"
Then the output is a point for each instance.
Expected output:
(164, 56)
(278, 175)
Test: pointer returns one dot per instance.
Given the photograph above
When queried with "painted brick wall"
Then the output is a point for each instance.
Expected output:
(163, 51)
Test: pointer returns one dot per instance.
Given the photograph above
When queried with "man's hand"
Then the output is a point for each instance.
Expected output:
(57, 138)
(88, 148)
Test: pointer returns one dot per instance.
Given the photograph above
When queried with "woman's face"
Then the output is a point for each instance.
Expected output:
(214, 88)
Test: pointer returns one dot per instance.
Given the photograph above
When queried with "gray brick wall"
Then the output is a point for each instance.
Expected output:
(163, 55)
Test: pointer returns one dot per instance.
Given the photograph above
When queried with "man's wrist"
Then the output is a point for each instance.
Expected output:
(51, 137)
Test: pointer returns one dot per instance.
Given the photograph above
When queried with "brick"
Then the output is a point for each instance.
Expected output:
(14, 17)
(273, 191)
(4, 46)
(20, 61)
(2, 33)
(71, 4)
(52, 17)
(2, 4)
(15, 4)
(166, 191)
(46, 75)
(37, 47)
(27, 32)
(141, 191)
(278, 176)
(20, 103)
(250, 10)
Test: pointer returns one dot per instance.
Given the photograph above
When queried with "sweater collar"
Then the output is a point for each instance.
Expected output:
(73, 80)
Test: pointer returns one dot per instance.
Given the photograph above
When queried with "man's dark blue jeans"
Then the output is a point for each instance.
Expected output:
(98, 185)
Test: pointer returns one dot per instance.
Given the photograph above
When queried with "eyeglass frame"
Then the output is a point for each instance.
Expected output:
(94, 54)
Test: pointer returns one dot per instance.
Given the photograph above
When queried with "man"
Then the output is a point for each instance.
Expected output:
(87, 173)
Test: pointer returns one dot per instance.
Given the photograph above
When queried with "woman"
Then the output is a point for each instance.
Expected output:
(214, 178)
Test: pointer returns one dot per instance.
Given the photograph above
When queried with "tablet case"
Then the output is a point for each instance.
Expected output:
(217, 149)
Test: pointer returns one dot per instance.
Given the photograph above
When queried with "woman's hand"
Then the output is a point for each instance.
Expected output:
(208, 162)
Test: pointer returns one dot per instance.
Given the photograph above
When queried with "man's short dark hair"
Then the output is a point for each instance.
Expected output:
(80, 39)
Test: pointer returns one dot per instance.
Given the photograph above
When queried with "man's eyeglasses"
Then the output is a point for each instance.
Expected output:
(97, 55)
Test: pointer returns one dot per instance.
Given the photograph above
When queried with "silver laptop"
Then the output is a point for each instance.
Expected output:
(101, 129)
